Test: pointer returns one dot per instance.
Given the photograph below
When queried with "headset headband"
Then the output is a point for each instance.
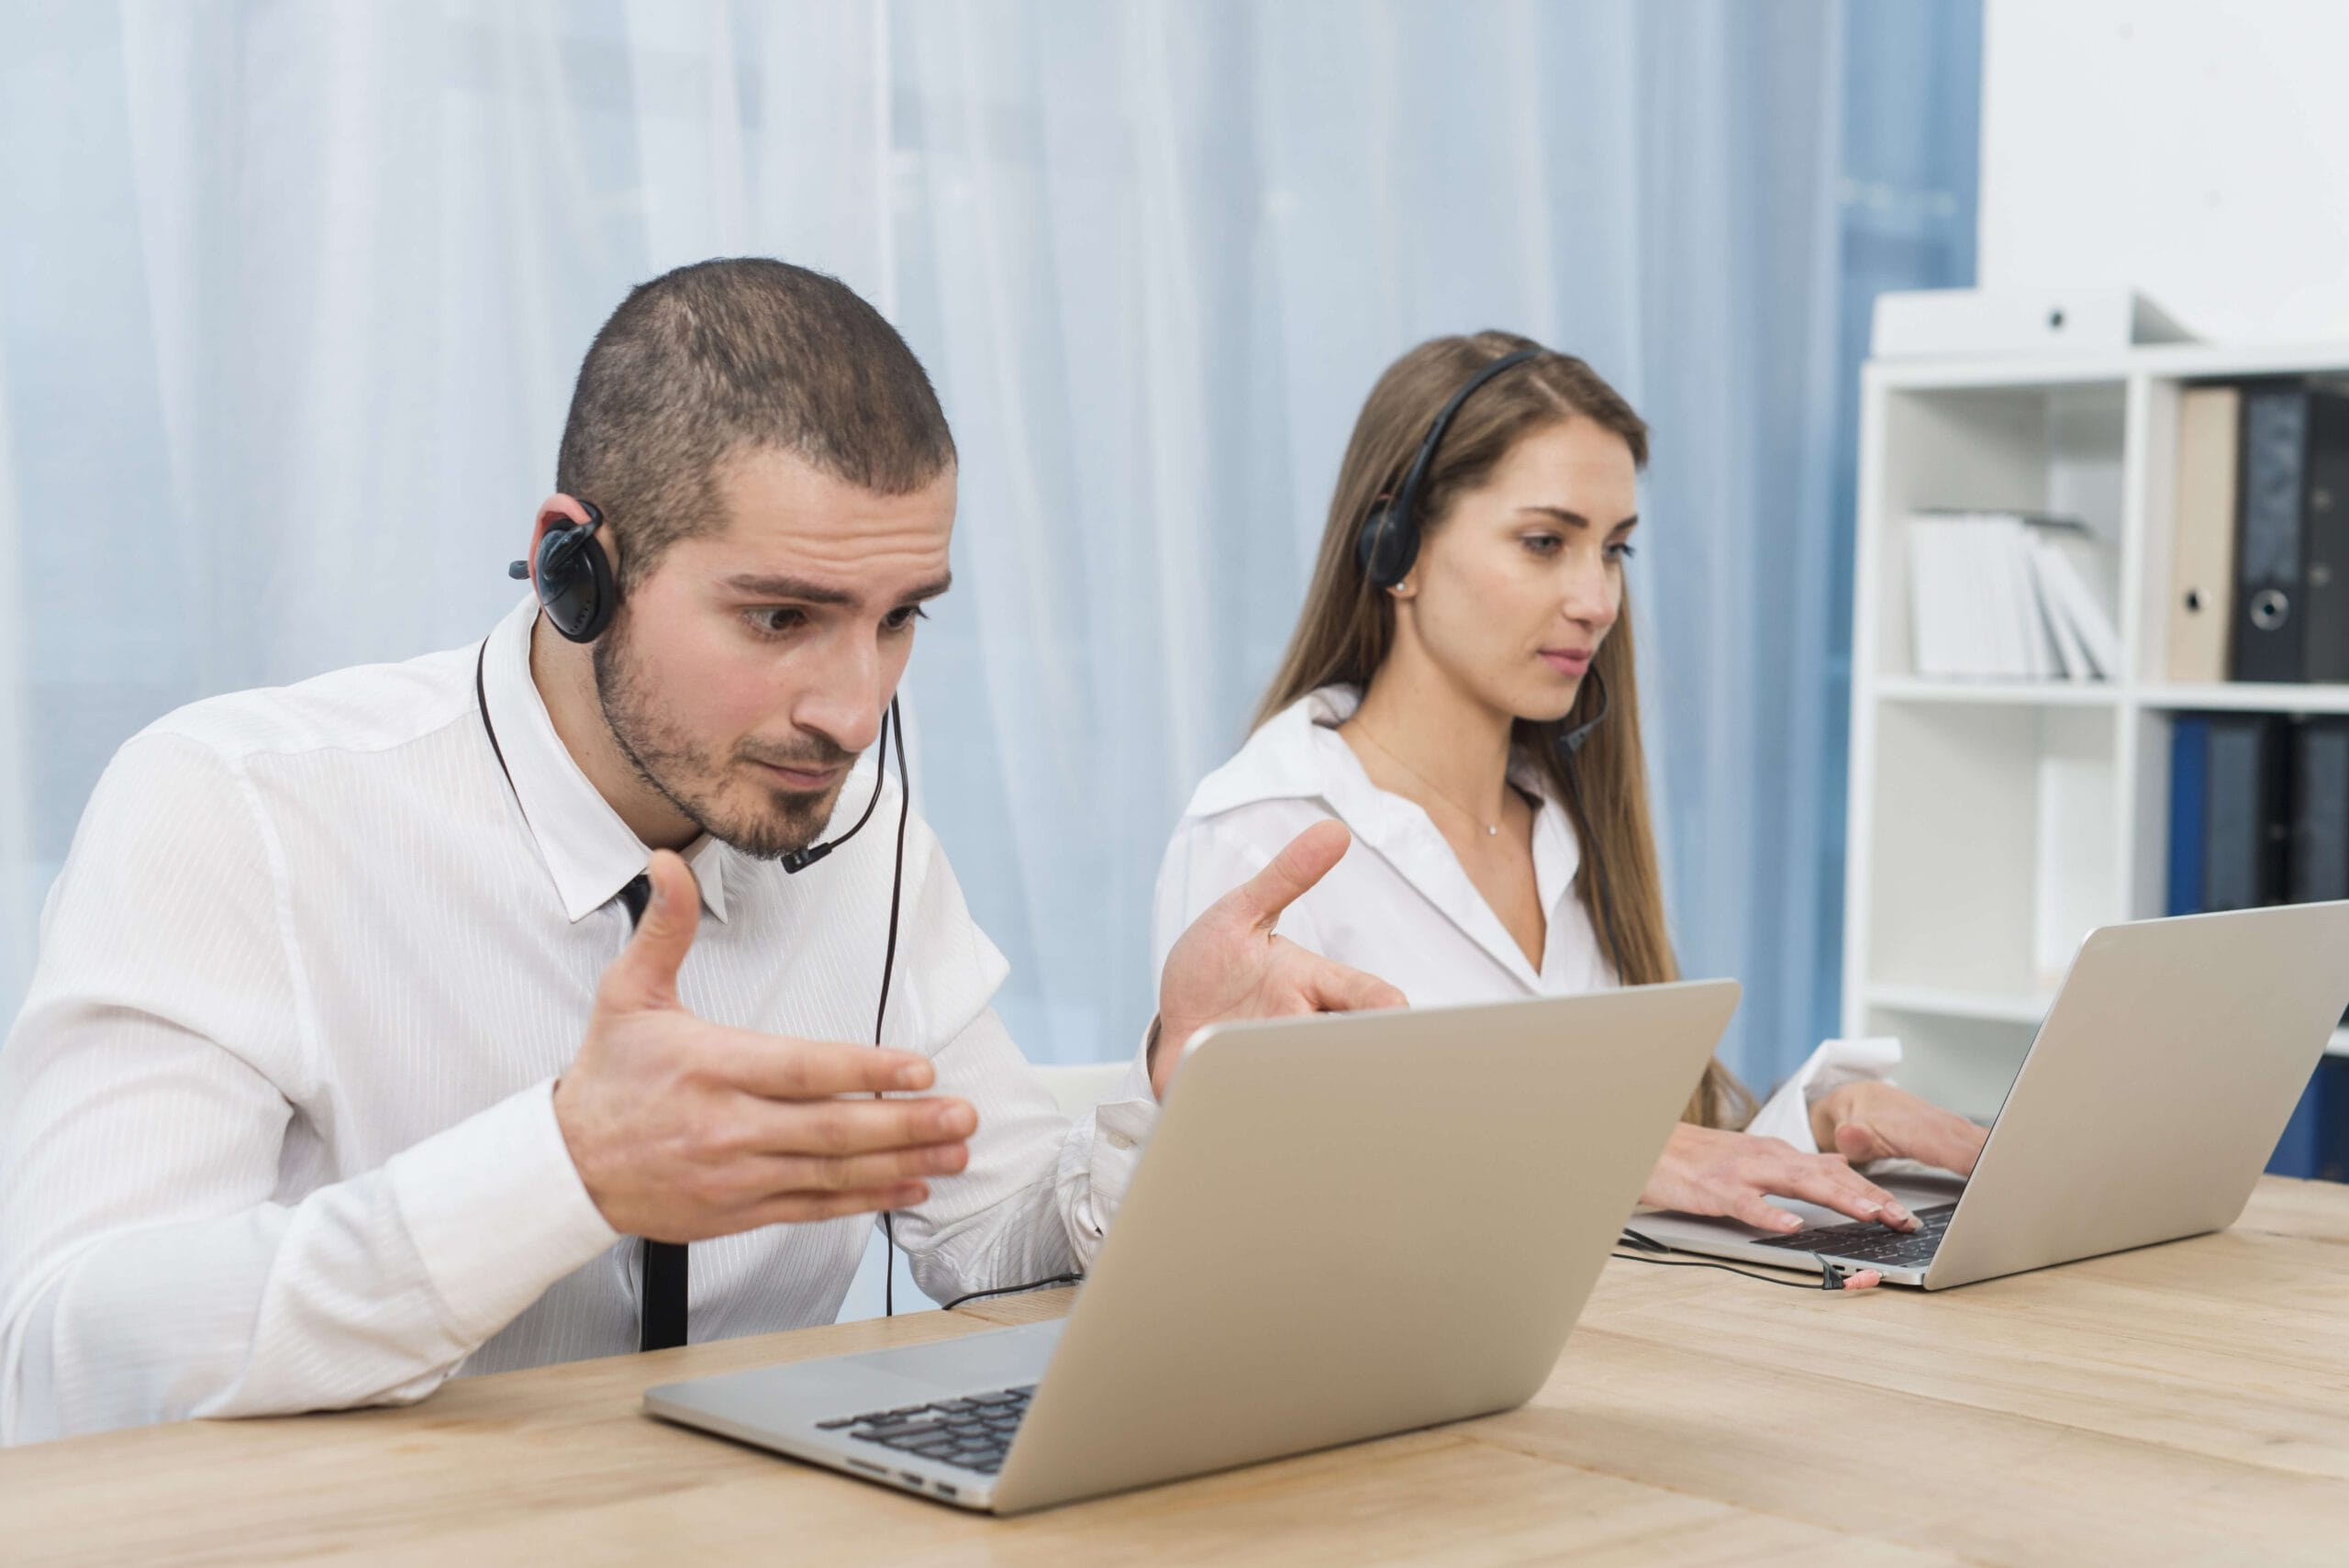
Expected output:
(1406, 504)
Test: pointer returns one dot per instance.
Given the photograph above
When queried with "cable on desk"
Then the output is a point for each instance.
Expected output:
(1831, 1276)
(1014, 1289)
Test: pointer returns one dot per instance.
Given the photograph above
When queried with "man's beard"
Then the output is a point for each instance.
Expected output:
(683, 773)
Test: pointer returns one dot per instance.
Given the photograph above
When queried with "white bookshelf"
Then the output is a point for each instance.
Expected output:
(1993, 823)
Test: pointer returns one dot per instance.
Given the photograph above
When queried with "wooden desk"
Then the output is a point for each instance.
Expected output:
(2182, 1403)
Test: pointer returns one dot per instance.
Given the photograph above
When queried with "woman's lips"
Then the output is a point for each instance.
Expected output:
(1566, 660)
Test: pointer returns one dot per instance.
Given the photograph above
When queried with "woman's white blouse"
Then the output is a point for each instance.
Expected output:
(1400, 905)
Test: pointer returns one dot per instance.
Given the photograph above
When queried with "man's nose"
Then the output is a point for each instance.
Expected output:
(844, 703)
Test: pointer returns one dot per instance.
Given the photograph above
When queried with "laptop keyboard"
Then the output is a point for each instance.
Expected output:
(972, 1433)
(1865, 1242)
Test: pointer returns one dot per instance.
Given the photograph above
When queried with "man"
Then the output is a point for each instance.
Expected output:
(342, 1069)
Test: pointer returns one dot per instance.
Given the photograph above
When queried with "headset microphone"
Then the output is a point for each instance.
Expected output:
(797, 861)
(1570, 741)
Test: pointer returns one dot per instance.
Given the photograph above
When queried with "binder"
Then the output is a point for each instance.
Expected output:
(2245, 836)
(2320, 858)
(2291, 620)
(2324, 628)
(2190, 741)
(2320, 855)
(2202, 545)
(2300, 1153)
(2268, 549)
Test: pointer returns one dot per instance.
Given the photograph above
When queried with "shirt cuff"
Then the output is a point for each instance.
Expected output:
(1836, 1062)
(498, 1212)
(1102, 1159)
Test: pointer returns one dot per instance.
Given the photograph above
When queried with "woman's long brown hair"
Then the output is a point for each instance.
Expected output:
(1348, 626)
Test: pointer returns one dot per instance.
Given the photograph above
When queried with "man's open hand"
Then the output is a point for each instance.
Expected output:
(684, 1130)
(1228, 964)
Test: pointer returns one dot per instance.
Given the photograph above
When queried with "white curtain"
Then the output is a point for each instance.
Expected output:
(294, 294)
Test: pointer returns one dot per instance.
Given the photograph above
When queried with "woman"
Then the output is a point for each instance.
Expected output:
(1461, 693)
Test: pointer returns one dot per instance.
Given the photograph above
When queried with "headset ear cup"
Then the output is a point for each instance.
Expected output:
(1387, 546)
(574, 583)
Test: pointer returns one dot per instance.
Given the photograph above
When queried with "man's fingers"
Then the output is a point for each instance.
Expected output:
(1335, 988)
(1306, 861)
(645, 974)
(800, 1209)
(835, 1128)
(786, 1174)
(782, 1069)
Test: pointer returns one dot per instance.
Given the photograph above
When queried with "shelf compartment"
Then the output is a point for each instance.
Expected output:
(1995, 845)
(2053, 448)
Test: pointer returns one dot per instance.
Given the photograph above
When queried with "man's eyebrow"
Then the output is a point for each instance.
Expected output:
(1576, 520)
(798, 590)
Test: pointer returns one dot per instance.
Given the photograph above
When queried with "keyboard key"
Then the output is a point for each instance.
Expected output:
(972, 1433)
(895, 1430)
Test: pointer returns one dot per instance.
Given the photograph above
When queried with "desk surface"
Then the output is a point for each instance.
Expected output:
(2181, 1403)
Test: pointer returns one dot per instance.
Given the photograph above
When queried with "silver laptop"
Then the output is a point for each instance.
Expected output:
(1345, 1226)
(2147, 1106)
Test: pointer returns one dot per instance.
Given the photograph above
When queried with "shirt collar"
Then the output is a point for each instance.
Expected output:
(1299, 754)
(587, 849)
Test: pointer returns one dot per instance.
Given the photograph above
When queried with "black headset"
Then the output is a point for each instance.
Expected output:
(573, 580)
(579, 593)
(1389, 544)
(1390, 534)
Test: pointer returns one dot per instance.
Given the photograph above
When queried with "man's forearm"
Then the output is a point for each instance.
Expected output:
(354, 1295)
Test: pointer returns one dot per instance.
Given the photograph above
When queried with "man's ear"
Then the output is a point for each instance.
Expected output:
(557, 510)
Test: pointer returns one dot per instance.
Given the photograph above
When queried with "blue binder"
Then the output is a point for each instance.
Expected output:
(2190, 755)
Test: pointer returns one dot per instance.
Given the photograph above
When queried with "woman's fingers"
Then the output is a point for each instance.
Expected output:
(1949, 1140)
(1711, 1172)
(1883, 1121)
(1758, 1211)
(1832, 1183)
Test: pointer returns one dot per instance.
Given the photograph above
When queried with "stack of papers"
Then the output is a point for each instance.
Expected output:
(2009, 595)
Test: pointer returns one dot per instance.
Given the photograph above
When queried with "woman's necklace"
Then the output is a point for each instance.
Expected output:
(1492, 830)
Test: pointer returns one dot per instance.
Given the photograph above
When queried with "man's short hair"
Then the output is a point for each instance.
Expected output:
(741, 351)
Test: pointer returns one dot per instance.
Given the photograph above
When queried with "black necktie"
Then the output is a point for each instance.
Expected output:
(664, 1262)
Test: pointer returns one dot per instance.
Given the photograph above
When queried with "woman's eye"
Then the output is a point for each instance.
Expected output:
(1543, 544)
(775, 620)
(1622, 549)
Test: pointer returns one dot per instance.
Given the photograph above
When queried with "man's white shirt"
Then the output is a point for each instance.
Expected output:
(276, 1120)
